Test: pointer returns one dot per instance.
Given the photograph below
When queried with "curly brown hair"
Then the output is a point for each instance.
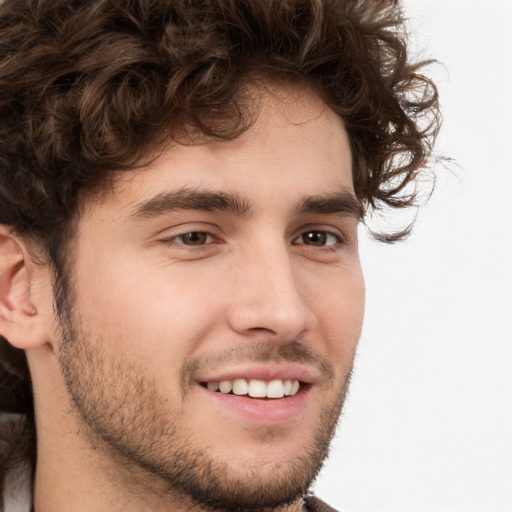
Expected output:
(91, 88)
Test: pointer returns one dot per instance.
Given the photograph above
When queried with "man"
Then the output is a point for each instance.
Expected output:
(180, 289)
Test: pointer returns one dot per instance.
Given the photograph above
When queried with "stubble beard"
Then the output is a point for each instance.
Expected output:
(121, 411)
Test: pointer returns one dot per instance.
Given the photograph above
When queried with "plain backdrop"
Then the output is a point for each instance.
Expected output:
(428, 423)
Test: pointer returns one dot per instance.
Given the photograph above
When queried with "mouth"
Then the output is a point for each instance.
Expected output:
(255, 388)
(259, 401)
(262, 394)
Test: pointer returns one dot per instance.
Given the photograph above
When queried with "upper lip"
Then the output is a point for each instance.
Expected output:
(266, 372)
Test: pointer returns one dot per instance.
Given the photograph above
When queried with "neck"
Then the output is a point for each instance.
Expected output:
(73, 480)
(75, 474)
(77, 471)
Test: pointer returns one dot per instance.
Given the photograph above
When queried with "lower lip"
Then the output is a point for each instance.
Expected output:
(270, 411)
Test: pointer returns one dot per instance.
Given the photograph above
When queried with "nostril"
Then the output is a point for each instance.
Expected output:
(279, 312)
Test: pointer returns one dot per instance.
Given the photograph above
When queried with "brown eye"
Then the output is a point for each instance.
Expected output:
(193, 238)
(317, 238)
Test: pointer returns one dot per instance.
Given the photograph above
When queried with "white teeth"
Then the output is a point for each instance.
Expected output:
(213, 386)
(275, 389)
(240, 387)
(225, 386)
(256, 388)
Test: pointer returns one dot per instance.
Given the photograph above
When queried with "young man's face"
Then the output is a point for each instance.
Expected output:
(221, 262)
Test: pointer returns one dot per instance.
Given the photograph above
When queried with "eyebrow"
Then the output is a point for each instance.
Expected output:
(340, 202)
(192, 199)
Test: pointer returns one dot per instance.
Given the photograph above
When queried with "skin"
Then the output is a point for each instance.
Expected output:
(119, 404)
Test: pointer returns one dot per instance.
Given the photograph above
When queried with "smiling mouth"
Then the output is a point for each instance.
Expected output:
(255, 388)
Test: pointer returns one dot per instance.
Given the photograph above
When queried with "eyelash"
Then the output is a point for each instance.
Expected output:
(180, 245)
(338, 240)
(208, 236)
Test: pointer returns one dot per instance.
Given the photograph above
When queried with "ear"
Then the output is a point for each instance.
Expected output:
(20, 320)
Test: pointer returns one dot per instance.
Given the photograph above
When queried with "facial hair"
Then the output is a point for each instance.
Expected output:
(124, 412)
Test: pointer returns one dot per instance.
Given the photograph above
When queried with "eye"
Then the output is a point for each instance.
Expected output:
(194, 238)
(317, 238)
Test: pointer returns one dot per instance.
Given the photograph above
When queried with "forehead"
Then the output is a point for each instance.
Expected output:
(296, 145)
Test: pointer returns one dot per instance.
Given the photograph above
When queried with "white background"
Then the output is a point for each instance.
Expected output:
(428, 423)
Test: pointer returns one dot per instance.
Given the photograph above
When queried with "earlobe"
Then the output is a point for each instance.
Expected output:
(20, 321)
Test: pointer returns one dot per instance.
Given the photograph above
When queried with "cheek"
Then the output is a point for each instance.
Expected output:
(144, 304)
(339, 308)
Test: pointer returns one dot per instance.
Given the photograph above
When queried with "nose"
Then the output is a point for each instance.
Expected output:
(270, 296)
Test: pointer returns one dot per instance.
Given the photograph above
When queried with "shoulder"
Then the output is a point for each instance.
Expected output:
(15, 479)
(313, 504)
